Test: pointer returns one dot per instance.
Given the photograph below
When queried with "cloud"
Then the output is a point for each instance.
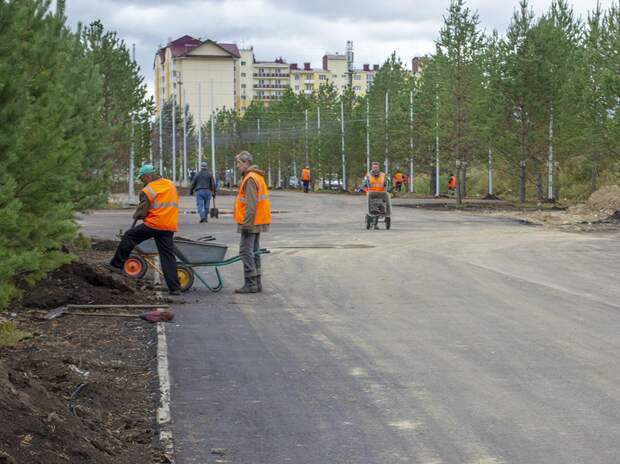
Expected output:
(298, 30)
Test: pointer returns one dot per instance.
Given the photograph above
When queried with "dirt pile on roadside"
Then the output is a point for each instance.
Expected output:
(86, 281)
(82, 389)
(602, 204)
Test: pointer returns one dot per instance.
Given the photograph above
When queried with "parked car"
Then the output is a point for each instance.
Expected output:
(333, 183)
(293, 182)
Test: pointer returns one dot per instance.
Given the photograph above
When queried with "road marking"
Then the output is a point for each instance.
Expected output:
(163, 411)
(358, 372)
(405, 425)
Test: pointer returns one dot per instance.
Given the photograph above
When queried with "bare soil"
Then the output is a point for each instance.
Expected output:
(601, 213)
(82, 389)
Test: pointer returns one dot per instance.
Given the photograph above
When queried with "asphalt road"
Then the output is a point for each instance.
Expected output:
(451, 338)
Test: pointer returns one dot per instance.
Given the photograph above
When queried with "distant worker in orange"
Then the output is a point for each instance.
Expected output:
(159, 211)
(452, 185)
(306, 177)
(253, 216)
(399, 180)
(375, 180)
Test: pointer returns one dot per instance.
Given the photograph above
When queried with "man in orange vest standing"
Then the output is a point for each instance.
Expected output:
(159, 211)
(306, 177)
(253, 216)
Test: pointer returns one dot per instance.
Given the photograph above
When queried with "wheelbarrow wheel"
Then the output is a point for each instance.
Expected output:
(186, 277)
(368, 221)
(388, 223)
(135, 267)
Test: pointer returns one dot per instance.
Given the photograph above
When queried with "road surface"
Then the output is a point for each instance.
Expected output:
(451, 338)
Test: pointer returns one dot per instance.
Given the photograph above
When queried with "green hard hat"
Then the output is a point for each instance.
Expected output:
(146, 169)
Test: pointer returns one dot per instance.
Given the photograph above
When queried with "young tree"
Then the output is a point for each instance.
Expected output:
(459, 54)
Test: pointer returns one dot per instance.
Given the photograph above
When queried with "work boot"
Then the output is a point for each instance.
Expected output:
(249, 286)
(259, 284)
(111, 268)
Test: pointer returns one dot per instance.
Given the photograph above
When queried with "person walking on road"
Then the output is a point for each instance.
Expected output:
(375, 180)
(159, 211)
(306, 177)
(253, 217)
(452, 185)
(205, 187)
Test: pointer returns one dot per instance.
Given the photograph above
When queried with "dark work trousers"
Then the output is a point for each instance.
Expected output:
(165, 247)
(247, 246)
(306, 185)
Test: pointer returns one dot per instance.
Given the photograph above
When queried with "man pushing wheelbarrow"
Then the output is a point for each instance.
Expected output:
(376, 185)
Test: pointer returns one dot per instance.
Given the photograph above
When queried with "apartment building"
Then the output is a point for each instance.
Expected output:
(201, 74)
(208, 75)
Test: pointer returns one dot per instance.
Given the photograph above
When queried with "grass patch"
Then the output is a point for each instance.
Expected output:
(11, 335)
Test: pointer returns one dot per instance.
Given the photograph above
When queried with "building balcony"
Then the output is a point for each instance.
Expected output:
(272, 75)
(271, 86)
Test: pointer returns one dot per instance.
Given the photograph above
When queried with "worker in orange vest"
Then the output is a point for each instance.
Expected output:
(452, 184)
(398, 180)
(375, 180)
(305, 178)
(253, 217)
(159, 211)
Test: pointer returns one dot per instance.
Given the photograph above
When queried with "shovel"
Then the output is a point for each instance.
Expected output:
(57, 312)
(214, 212)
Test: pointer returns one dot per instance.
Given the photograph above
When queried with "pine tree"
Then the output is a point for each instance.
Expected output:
(459, 54)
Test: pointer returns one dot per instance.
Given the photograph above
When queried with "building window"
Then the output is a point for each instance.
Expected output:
(243, 63)
(242, 74)
(296, 87)
(243, 86)
(358, 77)
(296, 77)
(335, 76)
(309, 87)
(344, 76)
(357, 88)
(242, 97)
(261, 70)
(322, 77)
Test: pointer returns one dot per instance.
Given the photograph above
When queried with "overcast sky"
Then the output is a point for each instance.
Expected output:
(297, 30)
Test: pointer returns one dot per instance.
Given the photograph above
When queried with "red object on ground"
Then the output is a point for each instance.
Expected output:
(157, 316)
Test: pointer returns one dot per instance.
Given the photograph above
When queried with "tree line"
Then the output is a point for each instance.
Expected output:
(67, 100)
(537, 105)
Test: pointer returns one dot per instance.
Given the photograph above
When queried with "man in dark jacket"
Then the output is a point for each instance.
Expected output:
(204, 185)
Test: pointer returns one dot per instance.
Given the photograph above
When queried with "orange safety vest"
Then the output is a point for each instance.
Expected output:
(305, 174)
(376, 183)
(452, 182)
(263, 207)
(398, 178)
(163, 213)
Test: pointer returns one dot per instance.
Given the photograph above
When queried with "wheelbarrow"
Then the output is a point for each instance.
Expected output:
(191, 255)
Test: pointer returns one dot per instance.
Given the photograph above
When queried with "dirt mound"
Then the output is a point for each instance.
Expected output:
(111, 419)
(82, 389)
(601, 204)
(104, 245)
(82, 283)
